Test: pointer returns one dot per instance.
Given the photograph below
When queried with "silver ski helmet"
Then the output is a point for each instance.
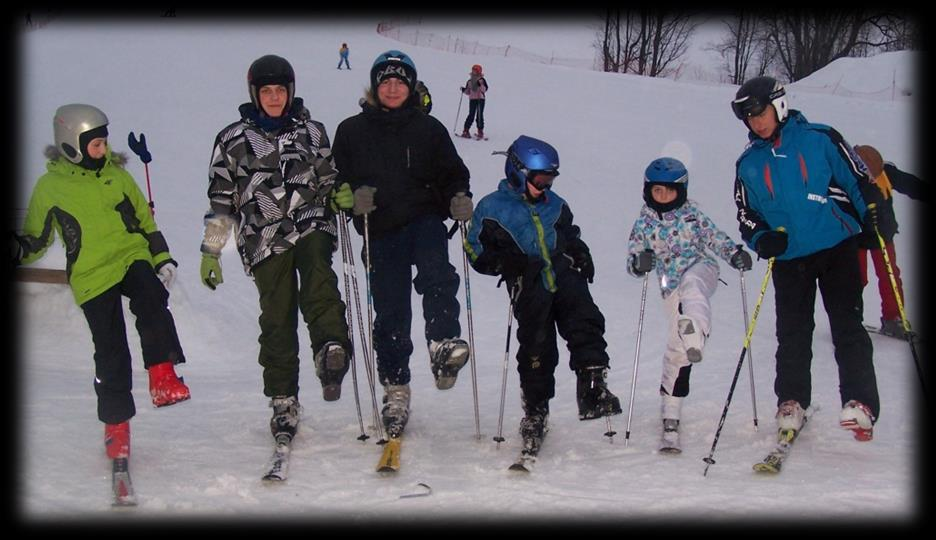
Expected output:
(527, 157)
(754, 96)
(271, 69)
(669, 172)
(74, 126)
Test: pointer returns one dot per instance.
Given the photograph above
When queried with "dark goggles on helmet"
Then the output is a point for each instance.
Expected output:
(752, 105)
(542, 179)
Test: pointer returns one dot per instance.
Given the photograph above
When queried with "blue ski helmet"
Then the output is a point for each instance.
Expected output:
(395, 64)
(669, 172)
(528, 156)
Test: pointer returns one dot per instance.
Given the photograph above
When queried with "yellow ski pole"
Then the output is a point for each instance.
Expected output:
(903, 314)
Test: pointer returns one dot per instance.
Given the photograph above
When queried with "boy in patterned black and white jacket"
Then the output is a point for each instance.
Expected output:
(671, 235)
(272, 180)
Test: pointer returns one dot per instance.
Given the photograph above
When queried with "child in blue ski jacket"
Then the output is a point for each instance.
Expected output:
(524, 233)
(671, 235)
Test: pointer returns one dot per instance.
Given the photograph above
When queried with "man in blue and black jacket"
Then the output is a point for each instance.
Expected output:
(803, 196)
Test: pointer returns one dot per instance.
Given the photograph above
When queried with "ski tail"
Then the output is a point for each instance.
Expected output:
(121, 483)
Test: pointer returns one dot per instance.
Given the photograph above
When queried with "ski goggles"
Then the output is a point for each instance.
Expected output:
(542, 180)
(754, 105)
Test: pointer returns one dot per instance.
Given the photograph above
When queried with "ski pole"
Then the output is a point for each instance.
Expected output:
(139, 148)
(349, 319)
(458, 112)
(368, 352)
(630, 406)
(750, 357)
(471, 345)
(500, 419)
(744, 349)
(903, 314)
(370, 315)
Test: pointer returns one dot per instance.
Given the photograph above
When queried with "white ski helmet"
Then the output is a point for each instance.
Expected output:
(70, 123)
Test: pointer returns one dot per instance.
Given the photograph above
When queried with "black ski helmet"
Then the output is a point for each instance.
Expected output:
(271, 69)
(754, 96)
(669, 172)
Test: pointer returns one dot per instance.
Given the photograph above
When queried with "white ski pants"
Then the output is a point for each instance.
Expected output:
(690, 299)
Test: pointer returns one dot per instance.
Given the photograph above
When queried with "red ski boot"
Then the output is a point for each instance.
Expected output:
(117, 440)
(857, 417)
(165, 386)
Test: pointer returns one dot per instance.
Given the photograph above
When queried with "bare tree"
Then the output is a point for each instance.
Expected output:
(806, 42)
(900, 31)
(644, 42)
(739, 45)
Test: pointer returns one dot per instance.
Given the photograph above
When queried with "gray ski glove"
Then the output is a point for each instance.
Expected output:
(461, 207)
(364, 200)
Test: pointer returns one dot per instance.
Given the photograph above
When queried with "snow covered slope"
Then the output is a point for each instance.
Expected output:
(180, 83)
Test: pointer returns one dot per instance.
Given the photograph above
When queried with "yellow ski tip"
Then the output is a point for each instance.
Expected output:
(390, 458)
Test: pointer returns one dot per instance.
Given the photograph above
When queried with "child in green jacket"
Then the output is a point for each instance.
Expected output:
(113, 249)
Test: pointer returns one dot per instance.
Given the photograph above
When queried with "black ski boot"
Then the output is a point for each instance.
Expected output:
(331, 365)
(395, 412)
(285, 419)
(446, 357)
(533, 426)
(594, 398)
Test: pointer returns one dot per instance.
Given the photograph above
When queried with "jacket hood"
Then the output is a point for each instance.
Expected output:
(52, 153)
(298, 111)
(370, 100)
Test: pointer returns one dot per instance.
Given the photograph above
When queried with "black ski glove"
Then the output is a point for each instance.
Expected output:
(513, 265)
(583, 263)
(771, 244)
(642, 262)
(16, 250)
(139, 148)
(741, 260)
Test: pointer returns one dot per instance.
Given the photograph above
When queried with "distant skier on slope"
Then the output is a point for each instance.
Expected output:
(671, 236)
(475, 88)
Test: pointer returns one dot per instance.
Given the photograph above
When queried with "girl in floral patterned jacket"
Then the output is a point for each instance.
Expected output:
(671, 235)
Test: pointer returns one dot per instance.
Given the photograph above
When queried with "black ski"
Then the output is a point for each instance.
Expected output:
(876, 330)
(524, 463)
(122, 486)
(527, 459)
(279, 462)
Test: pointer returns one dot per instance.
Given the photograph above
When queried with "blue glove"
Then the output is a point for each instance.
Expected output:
(139, 147)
